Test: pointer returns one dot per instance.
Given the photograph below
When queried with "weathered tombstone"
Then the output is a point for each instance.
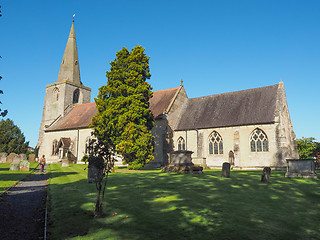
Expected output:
(11, 157)
(181, 161)
(32, 157)
(65, 162)
(225, 170)
(93, 174)
(266, 175)
(3, 157)
(304, 168)
(15, 166)
(24, 165)
(17, 158)
(23, 157)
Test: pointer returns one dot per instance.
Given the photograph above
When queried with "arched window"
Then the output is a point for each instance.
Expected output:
(215, 143)
(55, 147)
(181, 144)
(56, 92)
(76, 94)
(259, 141)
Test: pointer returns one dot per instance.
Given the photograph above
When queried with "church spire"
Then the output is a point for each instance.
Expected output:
(69, 68)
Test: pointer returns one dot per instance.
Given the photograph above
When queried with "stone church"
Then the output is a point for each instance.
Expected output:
(250, 129)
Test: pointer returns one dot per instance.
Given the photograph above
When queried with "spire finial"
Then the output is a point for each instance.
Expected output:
(73, 17)
(181, 81)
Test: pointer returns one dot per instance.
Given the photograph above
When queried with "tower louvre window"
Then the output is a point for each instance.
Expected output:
(76, 94)
(56, 92)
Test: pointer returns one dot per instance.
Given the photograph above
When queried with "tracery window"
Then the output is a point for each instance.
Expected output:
(215, 143)
(55, 147)
(181, 144)
(259, 141)
(76, 94)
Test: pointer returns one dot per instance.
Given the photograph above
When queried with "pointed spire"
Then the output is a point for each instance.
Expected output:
(69, 68)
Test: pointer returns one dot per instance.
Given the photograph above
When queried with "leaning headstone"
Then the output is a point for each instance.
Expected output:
(266, 175)
(24, 165)
(11, 157)
(32, 157)
(65, 162)
(225, 170)
(15, 166)
(3, 157)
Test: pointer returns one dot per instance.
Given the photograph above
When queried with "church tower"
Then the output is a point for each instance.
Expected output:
(67, 91)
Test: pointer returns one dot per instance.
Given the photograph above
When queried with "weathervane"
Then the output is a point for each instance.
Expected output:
(181, 81)
(73, 17)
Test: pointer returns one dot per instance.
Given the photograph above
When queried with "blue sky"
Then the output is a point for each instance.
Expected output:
(214, 46)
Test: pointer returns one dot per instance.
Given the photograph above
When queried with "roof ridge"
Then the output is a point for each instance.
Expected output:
(83, 104)
(166, 89)
(245, 90)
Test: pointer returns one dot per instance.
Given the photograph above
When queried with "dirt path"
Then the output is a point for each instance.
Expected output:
(22, 210)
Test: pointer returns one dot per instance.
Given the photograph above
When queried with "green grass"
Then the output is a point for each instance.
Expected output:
(9, 178)
(154, 205)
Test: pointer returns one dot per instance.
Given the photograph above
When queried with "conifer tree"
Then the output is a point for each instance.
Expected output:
(123, 117)
(11, 138)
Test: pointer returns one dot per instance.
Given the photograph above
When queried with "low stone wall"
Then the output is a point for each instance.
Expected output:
(13, 157)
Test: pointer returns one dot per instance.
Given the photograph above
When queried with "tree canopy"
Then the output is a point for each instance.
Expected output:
(307, 147)
(123, 117)
(11, 138)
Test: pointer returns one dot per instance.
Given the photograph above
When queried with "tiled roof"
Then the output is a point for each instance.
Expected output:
(64, 142)
(161, 100)
(80, 116)
(247, 107)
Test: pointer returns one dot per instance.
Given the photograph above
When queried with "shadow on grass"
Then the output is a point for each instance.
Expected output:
(154, 205)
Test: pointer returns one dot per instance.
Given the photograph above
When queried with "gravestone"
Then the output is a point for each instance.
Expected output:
(3, 157)
(266, 175)
(65, 162)
(24, 165)
(303, 168)
(225, 170)
(11, 157)
(181, 161)
(15, 166)
(93, 174)
(32, 157)
(23, 157)
(17, 158)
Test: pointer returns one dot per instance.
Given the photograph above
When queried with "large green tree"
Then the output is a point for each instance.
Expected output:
(307, 147)
(123, 114)
(11, 138)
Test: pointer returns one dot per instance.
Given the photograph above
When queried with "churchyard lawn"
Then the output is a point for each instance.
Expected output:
(9, 178)
(149, 204)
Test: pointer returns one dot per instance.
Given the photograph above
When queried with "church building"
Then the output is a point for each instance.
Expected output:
(250, 129)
